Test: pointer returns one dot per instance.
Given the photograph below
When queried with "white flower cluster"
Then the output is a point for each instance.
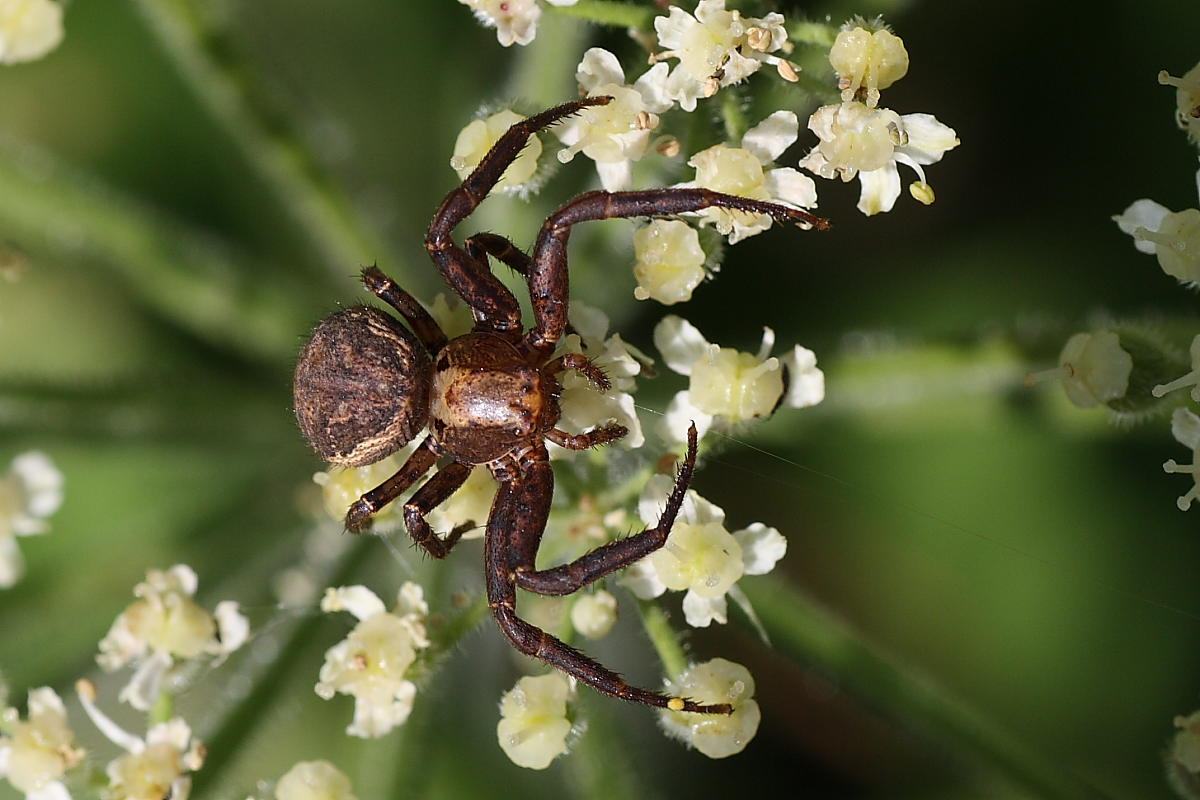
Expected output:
(369, 664)
(166, 625)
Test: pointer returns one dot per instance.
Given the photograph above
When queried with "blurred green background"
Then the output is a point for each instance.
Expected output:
(1024, 557)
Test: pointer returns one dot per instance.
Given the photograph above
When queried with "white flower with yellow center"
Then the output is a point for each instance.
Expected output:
(1187, 100)
(867, 61)
(152, 768)
(669, 262)
(1093, 368)
(743, 171)
(717, 48)
(370, 662)
(1185, 427)
(29, 29)
(533, 723)
(314, 780)
(616, 134)
(30, 491)
(1172, 236)
(475, 140)
(714, 735)
(700, 555)
(35, 752)
(164, 625)
(728, 386)
(870, 144)
(583, 406)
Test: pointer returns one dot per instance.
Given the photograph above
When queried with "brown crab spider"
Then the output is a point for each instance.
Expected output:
(365, 386)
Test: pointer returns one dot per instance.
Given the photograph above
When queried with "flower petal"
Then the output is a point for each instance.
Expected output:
(880, 188)
(680, 343)
(700, 612)
(761, 547)
(768, 139)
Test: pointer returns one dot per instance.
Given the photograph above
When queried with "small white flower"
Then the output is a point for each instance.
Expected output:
(1174, 237)
(867, 61)
(30, 491)
(166, 625)
(594, 614)
(1187, 100)
(700, 555)
(152, 768)
(870, 143)
(669, 261)
(717, 48)
(616, 134)
(314, 780)
(475, 140)
(1185, 427)
(743, 171)
(1093, 368)
(714, 735)
(583, 406)
(371, 661)
(730, 384)
(533, 723)
(35, 752)
(515, 21)
(29, 29)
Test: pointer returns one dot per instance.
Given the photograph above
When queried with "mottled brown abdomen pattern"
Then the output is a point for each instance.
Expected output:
(361, 387)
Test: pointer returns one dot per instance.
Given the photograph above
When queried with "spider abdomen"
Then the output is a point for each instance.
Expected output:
(485, 400)
(361, 388)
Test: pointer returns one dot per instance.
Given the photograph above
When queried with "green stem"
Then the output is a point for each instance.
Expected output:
(608, 12)
(663, 637)
(817, 34)
(811, 635)
(191, 279)
(317, 211)
(733, 114)
(163, 710)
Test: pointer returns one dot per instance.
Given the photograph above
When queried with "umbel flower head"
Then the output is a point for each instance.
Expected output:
(867, 57)
(475, 140)
(616, 134)
(30, 491)
(728, 386)
(533, 723)
(37, 751)
(716, 48)
(156, 767)
(164, 625)
(370, 662)
(1171, 236)
(700, 555)
(743, 171)
(857, 140)
(714, 735)
(314, 780)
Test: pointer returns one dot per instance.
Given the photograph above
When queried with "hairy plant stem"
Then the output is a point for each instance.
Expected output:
(608, 12)
(317, 210)
(663, 637)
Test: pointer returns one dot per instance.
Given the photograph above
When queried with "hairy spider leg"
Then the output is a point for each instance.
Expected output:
(492, 303)
(432, 493)
(515, 526)
(482, 245)
(548, 283)
(422, 324)
(358, 518)
(578, 362)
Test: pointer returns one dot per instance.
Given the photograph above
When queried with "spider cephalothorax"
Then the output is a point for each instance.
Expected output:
(365, 386)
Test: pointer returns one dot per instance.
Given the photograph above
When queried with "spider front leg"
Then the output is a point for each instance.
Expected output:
(548, 283)
(518, 517)
(479, 289)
